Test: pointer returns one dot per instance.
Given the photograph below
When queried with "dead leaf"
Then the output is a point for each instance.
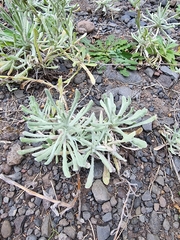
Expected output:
(159, 147)
(106, 176)
(177, 207)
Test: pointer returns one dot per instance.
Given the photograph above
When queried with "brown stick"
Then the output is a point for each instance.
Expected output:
(30, 192)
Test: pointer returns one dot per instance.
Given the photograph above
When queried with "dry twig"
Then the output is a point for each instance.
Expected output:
(125, 213)
(58, 203)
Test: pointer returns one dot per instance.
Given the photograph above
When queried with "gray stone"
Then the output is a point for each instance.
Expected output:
(169, 72)
(19, 223)
(79, 78)
(100, 192)
(137, 202)
(63, 222)
(162, 201)
(5, 199)
(1, 199)
(103, 232)
(152, 237)
(148, 203)
(70, 232)
(31, 237)
(149, 209)
(142, 218)
(149, 72)
(42, 238)
(12, 212)
(167, 121)
(156, 190)
(21, 210)
(80, 235)
(114, 75)
(132, 14)
(146, 196)
(6, 229)
(15, 176)
(98, 168)
(166, 225)
(106, 207)
(46, 226)
(123, 91)
(63, 236)
(154, 223)
(86, 215)
(18, 93)
(107, 217)
(113, 201)
(148, 126)
(132, 23)
(70, 216)
(30, 212)
(163, 3)
(125, 18)
(85, 26)
(138, 211)
(160, 180)
(165, 81)
(176, 160)
(98, 78)
(176, 225)
(13, 158)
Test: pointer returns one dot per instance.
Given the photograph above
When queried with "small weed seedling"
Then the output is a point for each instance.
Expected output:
(116, 52)
(78, 139)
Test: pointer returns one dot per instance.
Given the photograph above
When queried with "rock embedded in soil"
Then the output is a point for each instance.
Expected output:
(6, 229)
(176, 160)
(149, 72)
(113, 74)
(46, 226)
(31, 237)
(165, 81)
(13, 158)
(162, 201)
(146, 196)
(100, 192)
(63, 236)
(5, 168)
(154, 223)
(169, 72)
(160, 180)
(103, 232)
(85, 26)
(79, 78)
(98, 166)
(152, 237)
(70, 231)
(19, 224)
(166, 225)
(106, 207)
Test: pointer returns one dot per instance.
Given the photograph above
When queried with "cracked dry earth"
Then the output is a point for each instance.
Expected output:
(140, 203)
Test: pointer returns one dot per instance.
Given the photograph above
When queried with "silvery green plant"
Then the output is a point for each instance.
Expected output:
(160, 21)
(172, 137)
(153, 41)
(79, 138)
(35, 33)
(106, 5)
